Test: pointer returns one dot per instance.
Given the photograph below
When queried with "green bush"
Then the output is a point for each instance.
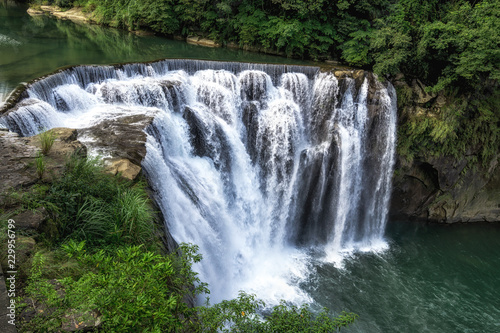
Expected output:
(242, 315)
(47, 139)
(40, 165)
(469, 126)
(97, 207)
(133, 289)
(136, 290)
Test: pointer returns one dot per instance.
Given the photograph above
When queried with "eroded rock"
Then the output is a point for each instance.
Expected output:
(444, 190)
(121, 138)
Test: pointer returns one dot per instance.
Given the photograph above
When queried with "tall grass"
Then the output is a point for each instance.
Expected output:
(100, 208)
(47, 139)
(40, 164)
(126, 219)
(132, 216)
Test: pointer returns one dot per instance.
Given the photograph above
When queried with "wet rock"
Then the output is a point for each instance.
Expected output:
(444, 189)
(119, 138)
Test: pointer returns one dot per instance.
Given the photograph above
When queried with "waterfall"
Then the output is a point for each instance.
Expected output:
(256, 164)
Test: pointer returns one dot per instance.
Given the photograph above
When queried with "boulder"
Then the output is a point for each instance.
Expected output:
(125, 168)
(30, 219)
(120, 138)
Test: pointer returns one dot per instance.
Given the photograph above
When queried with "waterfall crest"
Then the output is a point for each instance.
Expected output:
(254, 163)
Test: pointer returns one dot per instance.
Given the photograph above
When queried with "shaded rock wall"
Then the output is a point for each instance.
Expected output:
(442, 188)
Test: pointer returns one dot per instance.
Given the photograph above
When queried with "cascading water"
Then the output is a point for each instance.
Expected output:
(256, 164)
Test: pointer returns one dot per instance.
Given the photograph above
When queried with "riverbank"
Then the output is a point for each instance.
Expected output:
(80, 15)
(74, 14)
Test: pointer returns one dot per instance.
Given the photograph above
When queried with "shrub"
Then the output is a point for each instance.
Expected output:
(40, 165)
(47, 139)
(135, 290)
(126, 219)
(241, 315)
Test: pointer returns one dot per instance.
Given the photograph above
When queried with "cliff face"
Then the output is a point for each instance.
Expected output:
(442, 188)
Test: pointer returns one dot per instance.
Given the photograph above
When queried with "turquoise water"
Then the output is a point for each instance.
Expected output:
(433, 278)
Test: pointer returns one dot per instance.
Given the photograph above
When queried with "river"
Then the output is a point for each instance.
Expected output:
(430, 278)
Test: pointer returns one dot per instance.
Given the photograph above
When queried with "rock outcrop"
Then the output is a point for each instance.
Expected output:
(442, 188)
(202, 41)
(445, 190)
(75, 14)
(18, 155)
(121, 143)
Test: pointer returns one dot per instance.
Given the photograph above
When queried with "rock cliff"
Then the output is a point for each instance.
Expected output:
(442, 188)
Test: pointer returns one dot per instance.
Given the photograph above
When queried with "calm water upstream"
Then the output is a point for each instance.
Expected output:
(433, 278)
(34, 46)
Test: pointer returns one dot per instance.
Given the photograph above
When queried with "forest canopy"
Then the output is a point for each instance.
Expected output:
(443, 43)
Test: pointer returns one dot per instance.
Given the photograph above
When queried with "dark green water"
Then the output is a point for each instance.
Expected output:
(432, 279)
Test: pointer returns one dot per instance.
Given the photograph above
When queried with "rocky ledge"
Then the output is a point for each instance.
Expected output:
(106, 139)
(18, 155)
(74, 14)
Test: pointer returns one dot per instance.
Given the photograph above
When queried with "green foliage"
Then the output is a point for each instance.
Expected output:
(469, 126)
(127, 218)
(135, 290)
(446, 44)
(242, 315)
(91, 205)
(239, 314)
(63, 3)
(104, 260)
(465, 44)
(47, 139)
(40, 165)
